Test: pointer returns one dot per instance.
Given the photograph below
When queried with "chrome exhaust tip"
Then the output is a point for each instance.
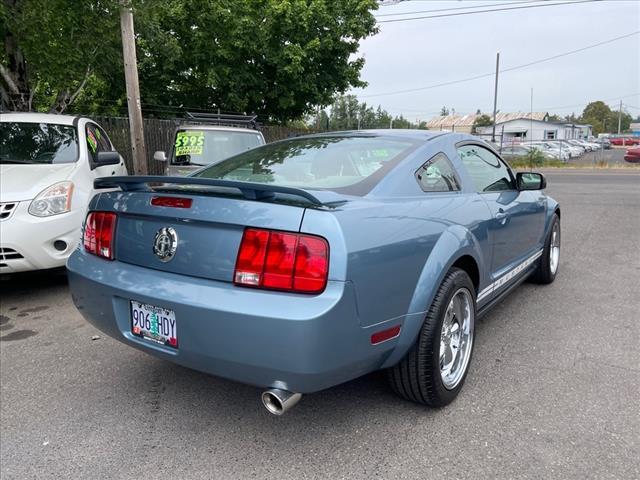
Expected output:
(278, 401)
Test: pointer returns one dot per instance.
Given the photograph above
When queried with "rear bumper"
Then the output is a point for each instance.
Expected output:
(295, 342)
(27, 242)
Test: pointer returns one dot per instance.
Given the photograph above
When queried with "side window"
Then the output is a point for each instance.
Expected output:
(97, 140)
(437, 175)
(488, 172)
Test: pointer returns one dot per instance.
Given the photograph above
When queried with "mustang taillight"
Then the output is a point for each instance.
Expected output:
(282, 261)
(99, 233)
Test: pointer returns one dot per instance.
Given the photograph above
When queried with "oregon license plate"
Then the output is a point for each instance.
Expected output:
(155, 324)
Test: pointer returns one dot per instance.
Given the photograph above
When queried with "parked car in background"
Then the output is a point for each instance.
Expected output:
(624, 141)
(519, 151)
(594, 145)
(604, 142)
(586, 146)
(632, 155)
(47, 167)
(574, 151)
(209, 141)
(308, 262)
(556, 151)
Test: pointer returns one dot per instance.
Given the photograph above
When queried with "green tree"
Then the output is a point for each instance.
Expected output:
(383, 119)
(444, 111)
(276, 58)
(401, 122)
(483, 120)
(625, 122)
(348, 114)
(52, 48)
(598, 115)
(344, 113)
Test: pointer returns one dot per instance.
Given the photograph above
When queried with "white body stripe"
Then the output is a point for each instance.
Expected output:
(504, 279)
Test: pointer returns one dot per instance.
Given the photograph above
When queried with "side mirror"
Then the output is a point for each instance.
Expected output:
(160, 156)
(531, 181)
(107, 158)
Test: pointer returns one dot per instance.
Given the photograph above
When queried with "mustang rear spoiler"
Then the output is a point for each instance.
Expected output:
(250, 190)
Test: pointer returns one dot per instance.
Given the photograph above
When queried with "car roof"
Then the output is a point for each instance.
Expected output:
(30, 117)
(420, 135)
(193, 126)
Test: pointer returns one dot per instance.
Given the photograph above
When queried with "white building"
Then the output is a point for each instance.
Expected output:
(466, 123)
(525, 130)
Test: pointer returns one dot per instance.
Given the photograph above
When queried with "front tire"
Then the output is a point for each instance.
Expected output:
(433, 371)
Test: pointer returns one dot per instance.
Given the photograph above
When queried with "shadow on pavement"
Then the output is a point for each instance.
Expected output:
(24, 283)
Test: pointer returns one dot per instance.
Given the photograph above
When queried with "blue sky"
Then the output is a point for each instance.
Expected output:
(413, 54)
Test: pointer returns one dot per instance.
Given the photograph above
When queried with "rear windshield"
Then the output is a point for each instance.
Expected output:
(348, 164)
(205, 147)
(37, 143)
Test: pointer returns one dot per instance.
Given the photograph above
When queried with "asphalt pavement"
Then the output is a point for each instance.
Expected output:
(553, 390)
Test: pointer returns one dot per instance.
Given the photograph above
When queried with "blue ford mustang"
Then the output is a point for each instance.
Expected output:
(308, 262)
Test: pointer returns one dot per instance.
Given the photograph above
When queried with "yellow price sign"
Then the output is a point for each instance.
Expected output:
(189, 142)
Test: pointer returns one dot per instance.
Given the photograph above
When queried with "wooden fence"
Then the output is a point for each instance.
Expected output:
(158, 135)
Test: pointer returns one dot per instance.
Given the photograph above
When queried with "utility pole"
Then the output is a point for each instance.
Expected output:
(495, 99)
(620, 117)
(133, 90)
(531, 119)
(391, 123)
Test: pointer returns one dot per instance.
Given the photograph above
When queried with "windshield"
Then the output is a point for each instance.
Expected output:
(348, 164)
(37, 143)
(205, 147)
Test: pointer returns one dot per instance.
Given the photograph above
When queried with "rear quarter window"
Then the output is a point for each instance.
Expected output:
(437, 175)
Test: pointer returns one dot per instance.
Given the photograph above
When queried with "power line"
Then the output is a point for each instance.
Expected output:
(485, 75)
(572, 51)
(520, 7)
(450, 9)
(546, 109)
(583, 104)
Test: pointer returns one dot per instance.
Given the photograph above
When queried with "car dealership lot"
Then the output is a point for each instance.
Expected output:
(552, 391)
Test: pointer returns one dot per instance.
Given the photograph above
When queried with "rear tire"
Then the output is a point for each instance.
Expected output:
(549, 262)
(433, 371)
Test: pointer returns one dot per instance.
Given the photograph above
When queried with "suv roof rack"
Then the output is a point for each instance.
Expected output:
(225, 119)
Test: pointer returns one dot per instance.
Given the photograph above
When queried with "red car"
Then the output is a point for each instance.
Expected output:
(632, 155)
(624, 141)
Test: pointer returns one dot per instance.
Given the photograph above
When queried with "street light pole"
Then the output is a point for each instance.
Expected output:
(495, 99)
(620, 117)
(136, 128)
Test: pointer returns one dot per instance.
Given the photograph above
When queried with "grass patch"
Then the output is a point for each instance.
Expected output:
(524, 162)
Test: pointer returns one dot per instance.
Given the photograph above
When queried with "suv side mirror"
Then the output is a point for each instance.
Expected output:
(107, 158)
(531, 181)
(160, 156)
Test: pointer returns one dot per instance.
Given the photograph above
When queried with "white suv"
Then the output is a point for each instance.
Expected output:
(47, 166)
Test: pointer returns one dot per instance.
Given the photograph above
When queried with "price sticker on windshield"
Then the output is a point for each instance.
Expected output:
(380, 152)
(189, 142)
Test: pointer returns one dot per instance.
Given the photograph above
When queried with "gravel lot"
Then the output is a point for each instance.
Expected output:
(552, 392)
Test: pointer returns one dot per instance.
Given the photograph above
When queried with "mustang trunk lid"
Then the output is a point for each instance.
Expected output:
(207, 235)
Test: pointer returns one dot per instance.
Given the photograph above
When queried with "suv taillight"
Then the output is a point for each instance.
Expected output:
(285, 261)
(99, 233)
